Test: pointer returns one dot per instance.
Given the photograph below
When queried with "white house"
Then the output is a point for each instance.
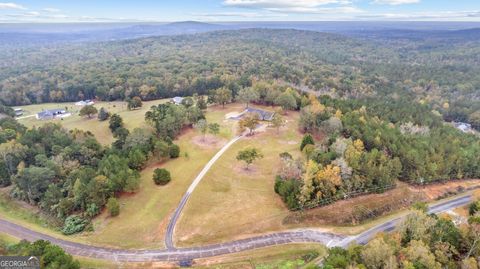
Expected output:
(177, 100)
(85, 103)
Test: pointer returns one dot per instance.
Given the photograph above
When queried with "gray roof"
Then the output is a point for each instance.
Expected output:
(262, 114)
(50, 113)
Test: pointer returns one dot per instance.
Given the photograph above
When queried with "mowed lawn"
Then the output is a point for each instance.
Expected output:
(132, 119)
(230, 202)
(144, 215)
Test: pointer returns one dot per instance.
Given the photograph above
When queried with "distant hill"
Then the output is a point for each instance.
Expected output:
(20, 35)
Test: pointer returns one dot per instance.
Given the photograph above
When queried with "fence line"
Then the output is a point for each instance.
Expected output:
(346, 196)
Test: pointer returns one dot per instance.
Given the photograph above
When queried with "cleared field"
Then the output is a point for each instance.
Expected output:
(232, 202)
(144, 215)
(132, 119)
(287, 256)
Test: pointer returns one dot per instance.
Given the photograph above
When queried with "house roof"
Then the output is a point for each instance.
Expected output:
(50, 112)
(263, 114)
(177, 99)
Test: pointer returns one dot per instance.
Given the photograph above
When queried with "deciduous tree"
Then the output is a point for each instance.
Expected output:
(249, 155)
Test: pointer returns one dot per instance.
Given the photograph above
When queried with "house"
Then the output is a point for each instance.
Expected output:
(18, 112)
(177, 100)
(85, 103)
(464, 127)
(49, 114)
(263, 115)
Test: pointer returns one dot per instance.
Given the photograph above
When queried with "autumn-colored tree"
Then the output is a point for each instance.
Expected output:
(329, 180)
(378, 255)
(134, 103)
(250, 122)
(307, 191)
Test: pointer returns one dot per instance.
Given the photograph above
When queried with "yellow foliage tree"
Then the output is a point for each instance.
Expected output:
(315, 105)
(329, 179)
(308, 188)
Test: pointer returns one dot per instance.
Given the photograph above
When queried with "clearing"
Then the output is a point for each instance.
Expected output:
(131, 118)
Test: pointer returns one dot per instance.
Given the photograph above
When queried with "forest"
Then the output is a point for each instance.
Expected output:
(422, 241)
(432, 70)
(353, 147)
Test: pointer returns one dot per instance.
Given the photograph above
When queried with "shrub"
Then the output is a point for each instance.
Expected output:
(289, 191)
(174, 151)
(307, 140)
(103, 115)
(113, 207)
(161, 176)
(474, 208)
(74, 224)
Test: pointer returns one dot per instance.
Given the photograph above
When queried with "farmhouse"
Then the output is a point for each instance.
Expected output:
(177, 100)
(18, 112)
(84, 103)
(464, 127)
(49, 114)
(263, 115)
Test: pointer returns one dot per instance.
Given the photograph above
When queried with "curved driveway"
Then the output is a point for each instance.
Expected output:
(176, 215)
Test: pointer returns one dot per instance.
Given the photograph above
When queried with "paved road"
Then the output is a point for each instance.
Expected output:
(24, 117)
(186, 254)
(176, 215)
(390, 225)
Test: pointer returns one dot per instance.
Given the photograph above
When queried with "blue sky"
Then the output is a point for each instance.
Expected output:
(236, 10)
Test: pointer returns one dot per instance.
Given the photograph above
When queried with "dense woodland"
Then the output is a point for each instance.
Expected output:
(433, 70)
(422, 241)
(366, 145)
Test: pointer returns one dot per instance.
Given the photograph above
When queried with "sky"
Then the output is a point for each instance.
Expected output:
(237, 10)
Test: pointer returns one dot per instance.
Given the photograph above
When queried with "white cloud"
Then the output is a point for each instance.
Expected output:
(319, 10)
(32, 14)
(11, 6)
(238, 14)
(424, 16)
(298, 7)
(267, 4)
(396, 2)
(51, 10)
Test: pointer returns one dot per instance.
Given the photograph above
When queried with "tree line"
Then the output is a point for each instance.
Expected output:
(444, 77)
(355, 146)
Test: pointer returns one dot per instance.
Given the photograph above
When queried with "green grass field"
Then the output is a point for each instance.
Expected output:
(132, 119)
(285, 256)
(231, 202)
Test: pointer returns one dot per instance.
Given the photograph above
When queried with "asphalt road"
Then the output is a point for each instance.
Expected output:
(175, 255)
(390, 225)
(176, 215)
(187, 254)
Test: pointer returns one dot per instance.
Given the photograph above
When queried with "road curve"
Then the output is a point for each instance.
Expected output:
(176, 215)
(187, 254)
(175, 255)
(390, 225)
